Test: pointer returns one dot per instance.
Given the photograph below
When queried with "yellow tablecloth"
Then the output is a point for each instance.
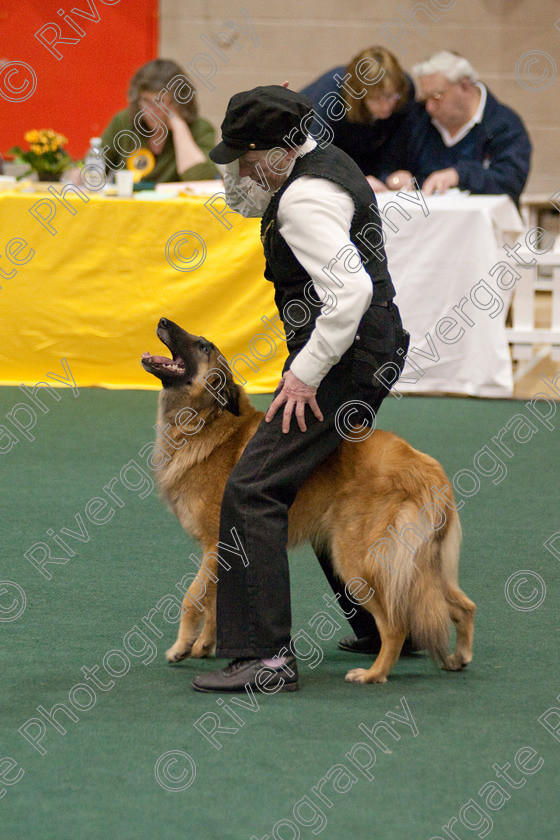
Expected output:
(94, 290)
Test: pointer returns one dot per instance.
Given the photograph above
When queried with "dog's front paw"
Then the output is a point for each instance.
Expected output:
(202, 648)
(361, 675)
(177, 653)
(454, 663)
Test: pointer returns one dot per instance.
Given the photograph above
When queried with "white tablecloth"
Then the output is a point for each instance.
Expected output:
(437, 259)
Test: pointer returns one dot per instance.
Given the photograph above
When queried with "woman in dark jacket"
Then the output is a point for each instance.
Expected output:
(367, 105)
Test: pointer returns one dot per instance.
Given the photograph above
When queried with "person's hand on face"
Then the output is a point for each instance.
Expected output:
(154, 114)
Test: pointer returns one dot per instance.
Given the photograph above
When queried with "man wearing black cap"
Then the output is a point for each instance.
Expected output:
(317, 212)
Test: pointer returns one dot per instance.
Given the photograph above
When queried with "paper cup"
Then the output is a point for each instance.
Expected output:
(125, 182)
(7, 182)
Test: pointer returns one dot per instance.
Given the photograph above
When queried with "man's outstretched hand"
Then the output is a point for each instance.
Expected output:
(296, 394)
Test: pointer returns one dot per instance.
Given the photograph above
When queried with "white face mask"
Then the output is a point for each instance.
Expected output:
(242, 194)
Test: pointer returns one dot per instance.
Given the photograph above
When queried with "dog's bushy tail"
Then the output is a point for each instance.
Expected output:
(428, 613)
(415, 579)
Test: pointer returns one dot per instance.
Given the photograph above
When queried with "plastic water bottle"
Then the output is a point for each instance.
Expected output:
(93, 173)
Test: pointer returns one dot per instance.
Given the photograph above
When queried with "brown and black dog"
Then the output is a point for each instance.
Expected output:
(378, 492)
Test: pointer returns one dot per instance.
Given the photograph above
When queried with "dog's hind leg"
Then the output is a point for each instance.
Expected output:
(392, 640)
(350, 562)
(461, 612)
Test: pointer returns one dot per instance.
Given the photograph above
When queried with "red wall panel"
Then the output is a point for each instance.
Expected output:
(78, 93)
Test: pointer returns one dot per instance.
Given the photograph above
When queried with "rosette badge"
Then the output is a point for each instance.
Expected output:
(141, 163)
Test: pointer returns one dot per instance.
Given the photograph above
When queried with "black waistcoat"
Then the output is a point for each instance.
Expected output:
(295, 295)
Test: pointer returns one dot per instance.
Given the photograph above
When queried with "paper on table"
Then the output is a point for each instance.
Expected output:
(191, 187)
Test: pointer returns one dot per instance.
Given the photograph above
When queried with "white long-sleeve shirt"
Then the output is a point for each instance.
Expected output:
(314, 217)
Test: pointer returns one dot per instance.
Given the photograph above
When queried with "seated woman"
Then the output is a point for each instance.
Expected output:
(367, 106)
(160, 135)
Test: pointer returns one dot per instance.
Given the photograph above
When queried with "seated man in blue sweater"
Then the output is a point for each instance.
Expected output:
(463, 137)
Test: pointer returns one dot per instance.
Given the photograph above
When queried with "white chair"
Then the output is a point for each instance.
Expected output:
(523, 335)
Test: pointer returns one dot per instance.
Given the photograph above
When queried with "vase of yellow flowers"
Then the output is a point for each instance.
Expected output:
(46, 155)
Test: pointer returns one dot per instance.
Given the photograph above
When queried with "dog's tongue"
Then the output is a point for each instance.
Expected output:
(159, 360)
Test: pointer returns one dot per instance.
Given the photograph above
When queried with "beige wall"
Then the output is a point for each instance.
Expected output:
(297, 41)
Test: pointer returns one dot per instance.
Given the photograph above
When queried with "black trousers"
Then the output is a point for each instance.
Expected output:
(253, 597)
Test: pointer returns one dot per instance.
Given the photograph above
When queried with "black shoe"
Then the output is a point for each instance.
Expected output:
(253, 673)
(372, 644)
(366, 644)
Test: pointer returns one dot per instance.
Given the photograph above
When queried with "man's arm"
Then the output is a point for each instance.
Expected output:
(508, 153)
(314, 217)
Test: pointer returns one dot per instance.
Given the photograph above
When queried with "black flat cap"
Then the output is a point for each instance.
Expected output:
(261, 119)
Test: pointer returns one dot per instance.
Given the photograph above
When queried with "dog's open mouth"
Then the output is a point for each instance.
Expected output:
(157, 364)
(181, 367)
(174, 365)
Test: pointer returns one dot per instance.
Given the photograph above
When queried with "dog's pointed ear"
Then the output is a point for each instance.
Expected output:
(231, 395)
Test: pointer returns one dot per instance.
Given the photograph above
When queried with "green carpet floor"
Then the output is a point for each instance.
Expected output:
(451, 732)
